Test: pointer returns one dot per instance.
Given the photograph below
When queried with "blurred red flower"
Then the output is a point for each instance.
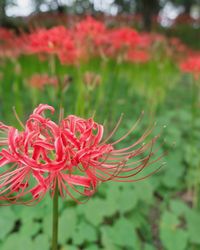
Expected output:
(40, 80)
(89, 35)
(191, 65)
(125, 37)
(57, 40)
(11, 45)
(90, 29)
(138, 56)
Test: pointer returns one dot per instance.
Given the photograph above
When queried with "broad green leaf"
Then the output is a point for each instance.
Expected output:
(30, 228)
(173, 170)
(84, 233)
(172, 236)
(191, 156)
(17, 241)
(149, 247)
(193, 225)
(137, 218)
(7, 221)
(69, 247)
(67, 224)
(178, 207)
(41, 242)
(122, 199)
(144, 191)
(92, 247)
(95, 211)
(47, 225)
(106, 238)
(121, 234)
(27, 213)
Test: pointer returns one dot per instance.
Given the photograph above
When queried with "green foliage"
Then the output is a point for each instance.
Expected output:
(172, 236)
(7, 221)
(161, 212)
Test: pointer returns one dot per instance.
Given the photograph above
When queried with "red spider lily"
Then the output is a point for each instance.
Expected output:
(57, 40)
(47, 41)
(10, 44)
(145, 40)
(123, 38)
(69, 54)
(40, 80)
(191, 65)
(71, 155)
(89, 36)
(6, 34)
(90, 30)
(117, 42)
(138, 56)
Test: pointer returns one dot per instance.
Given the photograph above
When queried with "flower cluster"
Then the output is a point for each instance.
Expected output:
(191, 65)
(90, 38)
(56, 41)
(71, 155)
(11, 45)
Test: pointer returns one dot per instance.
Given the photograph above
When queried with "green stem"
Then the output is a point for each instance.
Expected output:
(80, 88)
(52, 65)
(55, 220)
(193, 141)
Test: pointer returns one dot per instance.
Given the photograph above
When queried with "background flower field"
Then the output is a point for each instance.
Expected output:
(103, 67)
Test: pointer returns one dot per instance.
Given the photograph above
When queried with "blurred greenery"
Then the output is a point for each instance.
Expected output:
(158, 213)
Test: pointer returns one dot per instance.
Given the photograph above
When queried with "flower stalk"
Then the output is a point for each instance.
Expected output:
(55, 220)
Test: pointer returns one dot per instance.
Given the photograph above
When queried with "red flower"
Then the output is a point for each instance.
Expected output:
(90, 29)
(138, 56)
(47, 41)
(89, 35)
(10, 45)
(40, 80)
(191, 65)
(124, 38)
(117, 42)
(71, 155)
(57, 40)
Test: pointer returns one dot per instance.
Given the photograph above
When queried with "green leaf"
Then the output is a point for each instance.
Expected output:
(191, 156)
(122, 198)
(84, 233)
(121, 234)
(7, 221)
(173, 135)
(172, 236)
(174, 170)
(47, 225)
(27, 213)
(92, 247)
(69, 247)
(106, 237)
(41, 242)
(178, 207)
(149, 247)
(124, 233)
(17, 241)
(67, 224)
(144, 191)
(137, 218)
(30, 228)
(193, 225)
(95, 211)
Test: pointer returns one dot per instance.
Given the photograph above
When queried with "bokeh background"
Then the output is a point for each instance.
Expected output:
(110, 57)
